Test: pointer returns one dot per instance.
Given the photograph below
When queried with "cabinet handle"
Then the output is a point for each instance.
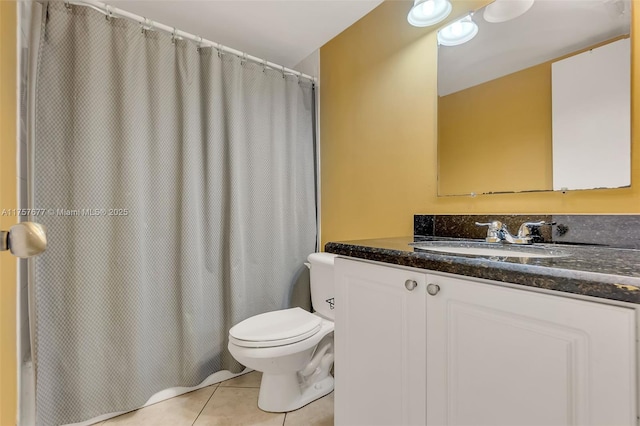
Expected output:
(433, 289)
(410, 284)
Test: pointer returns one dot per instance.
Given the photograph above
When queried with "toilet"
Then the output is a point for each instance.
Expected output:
(292, 348)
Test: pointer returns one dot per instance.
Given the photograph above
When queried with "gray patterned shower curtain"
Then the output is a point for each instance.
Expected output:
(177, 187)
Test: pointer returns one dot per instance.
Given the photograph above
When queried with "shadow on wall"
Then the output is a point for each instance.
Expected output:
(300, 292)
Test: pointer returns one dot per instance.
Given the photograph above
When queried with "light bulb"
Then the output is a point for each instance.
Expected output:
(428, 12)
(456, 28)
(428, 7)
(505, 10)
(461, 31)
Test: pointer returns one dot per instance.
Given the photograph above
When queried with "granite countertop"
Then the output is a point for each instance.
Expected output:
(604, 272)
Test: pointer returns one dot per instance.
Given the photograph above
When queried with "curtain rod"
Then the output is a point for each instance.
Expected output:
(148, 24)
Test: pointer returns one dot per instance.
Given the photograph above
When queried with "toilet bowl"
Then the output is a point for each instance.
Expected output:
(292, 348)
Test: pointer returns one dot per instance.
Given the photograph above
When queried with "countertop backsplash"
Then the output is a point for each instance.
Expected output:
(621, 231)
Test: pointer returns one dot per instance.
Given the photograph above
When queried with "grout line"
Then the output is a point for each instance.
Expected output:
(241, 387)
(205, 404)
(285, 419)
(166, 400)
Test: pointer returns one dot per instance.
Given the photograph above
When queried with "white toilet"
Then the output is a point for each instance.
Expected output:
(292, 348)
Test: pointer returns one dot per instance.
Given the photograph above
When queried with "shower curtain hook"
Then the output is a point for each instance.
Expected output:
(146, 25)
(199, 46)
(283, 76)
(219, 49)
(108, 16)
(173, 36)
(67, 4)
(264, 65)
(244, 58)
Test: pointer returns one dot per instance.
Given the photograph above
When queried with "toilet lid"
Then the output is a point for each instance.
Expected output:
(275, 328)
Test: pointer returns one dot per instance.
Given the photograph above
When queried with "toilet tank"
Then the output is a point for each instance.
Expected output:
(322, 283)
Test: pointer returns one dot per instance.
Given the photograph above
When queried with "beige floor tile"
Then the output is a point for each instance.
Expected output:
(318, 413)
(231, 406)
(249, 380)
(178, 411)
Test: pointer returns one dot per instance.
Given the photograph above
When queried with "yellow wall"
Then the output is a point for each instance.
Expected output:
(378, 135)
(8, 185)
(505, 142)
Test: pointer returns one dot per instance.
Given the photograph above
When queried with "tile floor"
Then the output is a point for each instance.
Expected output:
(230, 403)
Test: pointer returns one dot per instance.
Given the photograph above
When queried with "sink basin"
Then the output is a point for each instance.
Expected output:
(482, 249)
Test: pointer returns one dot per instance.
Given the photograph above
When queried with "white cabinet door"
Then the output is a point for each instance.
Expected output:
(501, 356)
(380, 340)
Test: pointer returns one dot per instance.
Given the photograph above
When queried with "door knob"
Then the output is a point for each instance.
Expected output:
(24, 239)
(410, 284)
(433, 289)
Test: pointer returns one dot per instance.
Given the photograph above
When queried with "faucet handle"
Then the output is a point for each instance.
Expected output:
(494, 225)
(525, 228)
(494, 230)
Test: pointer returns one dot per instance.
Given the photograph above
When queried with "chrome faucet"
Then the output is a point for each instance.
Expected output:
(498, 232)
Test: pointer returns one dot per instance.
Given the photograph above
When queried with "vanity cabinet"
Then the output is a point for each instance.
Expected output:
(380, 345)
(504, 356)
(414, 347)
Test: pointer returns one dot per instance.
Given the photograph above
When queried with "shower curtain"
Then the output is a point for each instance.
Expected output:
(177, 188)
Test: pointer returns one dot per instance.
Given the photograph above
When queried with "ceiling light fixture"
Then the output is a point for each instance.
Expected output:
(506, 10)
(428, 12)
(461, 31)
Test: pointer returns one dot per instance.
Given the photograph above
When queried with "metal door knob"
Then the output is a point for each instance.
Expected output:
(24, 239)
(410, 284)
(433, 289)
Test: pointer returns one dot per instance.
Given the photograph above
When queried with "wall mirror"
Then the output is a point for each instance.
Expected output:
(539, 101)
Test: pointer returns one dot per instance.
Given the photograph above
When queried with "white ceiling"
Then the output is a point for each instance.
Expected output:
(550, 29)
(281, 31)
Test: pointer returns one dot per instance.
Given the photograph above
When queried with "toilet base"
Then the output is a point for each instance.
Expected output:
(280, 393)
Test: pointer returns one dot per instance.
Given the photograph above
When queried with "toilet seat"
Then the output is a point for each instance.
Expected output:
(277, 328)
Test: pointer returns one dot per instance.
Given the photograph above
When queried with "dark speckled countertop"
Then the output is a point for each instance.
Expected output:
(604, 272)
